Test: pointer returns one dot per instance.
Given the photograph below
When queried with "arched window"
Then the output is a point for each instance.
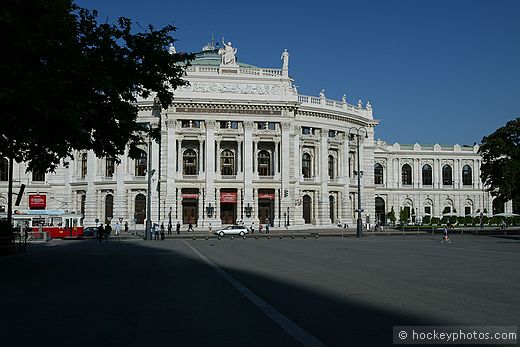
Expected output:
(498, 206)
(264, 163)
(140, 164)
(189, 159)
(427, 178)
(140, 209)
(4, 169)
(38, 176)
(306, 165)
(110, 167)
(227, 162)
(109, 208)
(447, 177)
(467, 178)
(332, 164)
(83, 165)
(406, 173)
(378, 173)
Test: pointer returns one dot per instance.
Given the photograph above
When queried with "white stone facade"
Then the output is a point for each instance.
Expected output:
(240, 144)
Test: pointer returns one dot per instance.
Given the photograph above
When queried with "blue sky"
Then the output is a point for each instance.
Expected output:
(435, 71)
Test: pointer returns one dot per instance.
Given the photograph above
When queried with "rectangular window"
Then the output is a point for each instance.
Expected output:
(427, 210)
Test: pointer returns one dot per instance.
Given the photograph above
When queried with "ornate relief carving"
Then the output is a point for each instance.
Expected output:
(286, 126)
(232, 88)
(249, 124)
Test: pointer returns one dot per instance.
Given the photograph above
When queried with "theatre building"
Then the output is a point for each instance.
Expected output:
(240, 143)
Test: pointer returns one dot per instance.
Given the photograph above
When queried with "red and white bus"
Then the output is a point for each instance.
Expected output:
(56, 223)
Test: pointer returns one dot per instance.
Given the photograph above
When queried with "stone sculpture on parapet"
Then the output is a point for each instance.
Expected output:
(285, 64)
(227, 54)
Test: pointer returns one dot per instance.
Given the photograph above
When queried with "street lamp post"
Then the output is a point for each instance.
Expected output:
(356, 132)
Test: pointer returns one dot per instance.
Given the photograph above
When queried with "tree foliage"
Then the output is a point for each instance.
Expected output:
(500, 169)
(70, 83)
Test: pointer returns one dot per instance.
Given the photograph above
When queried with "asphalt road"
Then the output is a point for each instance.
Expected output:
(327, 291)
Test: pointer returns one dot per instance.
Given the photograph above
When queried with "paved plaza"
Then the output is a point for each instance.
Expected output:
(328, 291)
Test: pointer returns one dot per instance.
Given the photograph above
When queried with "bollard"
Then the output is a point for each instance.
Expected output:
(256, 237)
(244, 237)
(232, 238)
(219, 237)
(269, 237)
(207, 238)
(305, 236)
(292, 237)
(316, 236)
(194, 238)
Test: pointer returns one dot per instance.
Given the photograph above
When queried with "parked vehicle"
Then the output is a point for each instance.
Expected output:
(90, 232)
(232, 230)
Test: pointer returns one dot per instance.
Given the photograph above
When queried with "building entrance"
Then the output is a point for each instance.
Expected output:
(266, 206)
(228, 206)
(189, 212)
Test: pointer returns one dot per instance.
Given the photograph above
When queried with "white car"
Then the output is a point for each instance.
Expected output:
(232, 230)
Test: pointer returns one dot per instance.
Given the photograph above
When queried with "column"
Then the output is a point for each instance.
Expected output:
(285, 164)
(239, 157)
(217, 157)
(248, 171)
(255, 158)
(120, 206)
(90, 199)
(179, 157)
(210, 172)
(323, 203)
(275, 159)
(201, 156)
(171, 157)
(345, 201)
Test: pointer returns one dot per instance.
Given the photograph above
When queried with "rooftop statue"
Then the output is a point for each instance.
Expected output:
(285, 58)
(227, 54)
(172, 49)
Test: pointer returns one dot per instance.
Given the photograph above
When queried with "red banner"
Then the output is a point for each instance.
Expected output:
(190, 196)
(228, 197)
(37, 201)
(266, 196)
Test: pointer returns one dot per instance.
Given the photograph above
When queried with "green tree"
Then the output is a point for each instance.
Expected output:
(500, 169)
(70, 83)
(404, 215)
(391, 215)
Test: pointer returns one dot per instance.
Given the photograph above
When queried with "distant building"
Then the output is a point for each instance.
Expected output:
(240, 144)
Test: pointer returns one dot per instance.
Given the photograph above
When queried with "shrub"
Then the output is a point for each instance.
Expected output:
(426, 219)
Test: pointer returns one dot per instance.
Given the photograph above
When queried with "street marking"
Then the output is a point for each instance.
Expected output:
(279, 318)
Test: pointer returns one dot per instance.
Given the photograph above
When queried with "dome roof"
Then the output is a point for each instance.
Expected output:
(210, 57)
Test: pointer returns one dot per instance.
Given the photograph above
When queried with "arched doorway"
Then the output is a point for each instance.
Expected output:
(332, 209)
(380, 211)
(109, 208)
(140, 209)
(307, 209)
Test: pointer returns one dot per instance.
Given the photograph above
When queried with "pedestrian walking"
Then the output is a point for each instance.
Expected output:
(190, 227)
(100, 232)
(445, 237)
(126, 227)
(169, 228)
(162, 231)
(209, 228)
(117, 228)
(260, 227)
(178, 228)
(108, 231)
(253, 228)
(267, 227)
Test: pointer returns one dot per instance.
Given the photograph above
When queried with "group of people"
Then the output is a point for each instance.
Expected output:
(105, 231)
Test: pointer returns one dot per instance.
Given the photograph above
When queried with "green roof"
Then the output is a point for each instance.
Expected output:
(211, 58)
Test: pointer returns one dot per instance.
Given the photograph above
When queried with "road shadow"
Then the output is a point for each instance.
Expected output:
(161, 294)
